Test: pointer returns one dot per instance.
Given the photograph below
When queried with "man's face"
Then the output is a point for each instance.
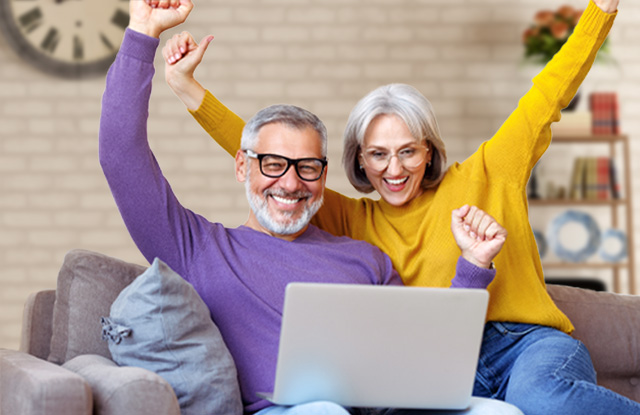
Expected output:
(282, 206)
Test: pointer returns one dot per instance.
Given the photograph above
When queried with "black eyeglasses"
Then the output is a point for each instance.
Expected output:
(274, 166)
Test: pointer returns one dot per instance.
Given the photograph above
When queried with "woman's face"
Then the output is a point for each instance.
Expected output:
(388, 138)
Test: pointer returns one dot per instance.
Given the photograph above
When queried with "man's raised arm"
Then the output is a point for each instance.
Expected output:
(158, 224)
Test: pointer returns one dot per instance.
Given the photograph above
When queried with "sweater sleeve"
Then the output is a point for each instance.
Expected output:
(158, 224)
(471, 276)
(526, 134)
(222, 124)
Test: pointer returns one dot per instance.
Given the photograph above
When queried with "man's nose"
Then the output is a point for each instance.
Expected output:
(290, 180)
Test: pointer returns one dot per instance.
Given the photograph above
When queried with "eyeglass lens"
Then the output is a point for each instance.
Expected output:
(410, 157)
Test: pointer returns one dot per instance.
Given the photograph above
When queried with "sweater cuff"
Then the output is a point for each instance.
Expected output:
(139, 46)
(595, 21)
(210, 112)
(469, 275)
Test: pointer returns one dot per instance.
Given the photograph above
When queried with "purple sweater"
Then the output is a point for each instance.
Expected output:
(240, 273)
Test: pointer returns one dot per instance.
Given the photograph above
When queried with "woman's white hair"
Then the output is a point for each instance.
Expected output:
(410, 106)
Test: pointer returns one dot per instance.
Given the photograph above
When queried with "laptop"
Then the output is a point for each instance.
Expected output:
(379, 346)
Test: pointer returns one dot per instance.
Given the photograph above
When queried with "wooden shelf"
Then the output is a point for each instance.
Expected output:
(584, 265)
(614, 205)
(596, 139)
(577, 202)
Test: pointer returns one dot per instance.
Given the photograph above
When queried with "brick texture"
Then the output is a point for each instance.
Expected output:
(464, 55)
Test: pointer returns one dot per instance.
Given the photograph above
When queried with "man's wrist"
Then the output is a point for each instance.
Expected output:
(145, 29)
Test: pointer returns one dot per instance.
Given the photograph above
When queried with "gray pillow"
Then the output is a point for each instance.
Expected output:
(160, 323)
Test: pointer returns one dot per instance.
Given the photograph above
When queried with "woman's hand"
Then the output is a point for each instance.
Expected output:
(478, 235)
(182, 56)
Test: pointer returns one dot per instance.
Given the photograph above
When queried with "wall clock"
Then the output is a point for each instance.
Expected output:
(67, 38)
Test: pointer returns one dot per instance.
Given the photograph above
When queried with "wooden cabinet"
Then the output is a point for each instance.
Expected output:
(620, 209)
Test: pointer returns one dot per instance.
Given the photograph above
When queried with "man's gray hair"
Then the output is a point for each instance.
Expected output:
(289, 115)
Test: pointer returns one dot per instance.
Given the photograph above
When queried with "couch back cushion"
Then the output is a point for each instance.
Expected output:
(609, 325)
(88, 283)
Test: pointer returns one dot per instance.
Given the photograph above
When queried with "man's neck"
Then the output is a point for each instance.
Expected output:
(253, 223)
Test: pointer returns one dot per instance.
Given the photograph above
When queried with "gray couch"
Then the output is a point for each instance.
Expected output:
(64, 367)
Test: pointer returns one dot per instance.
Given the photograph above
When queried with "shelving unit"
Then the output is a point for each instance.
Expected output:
(614, 205)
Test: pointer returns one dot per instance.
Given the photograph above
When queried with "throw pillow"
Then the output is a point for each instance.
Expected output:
(160, 323)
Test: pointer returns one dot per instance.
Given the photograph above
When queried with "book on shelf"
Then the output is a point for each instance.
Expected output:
(591, 180)
(604, 113)
(594, 178)
(602, 178)
(576, 190)
(614, 185)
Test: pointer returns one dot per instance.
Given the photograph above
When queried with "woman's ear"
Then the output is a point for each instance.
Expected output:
(241, 166)
(429, 155)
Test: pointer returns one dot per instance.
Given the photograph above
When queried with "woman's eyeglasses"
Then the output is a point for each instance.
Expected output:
(410, 157)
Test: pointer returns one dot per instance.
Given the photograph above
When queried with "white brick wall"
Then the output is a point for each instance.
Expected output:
(465, 55)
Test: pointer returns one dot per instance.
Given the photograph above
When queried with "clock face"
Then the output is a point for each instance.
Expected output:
(69, 38)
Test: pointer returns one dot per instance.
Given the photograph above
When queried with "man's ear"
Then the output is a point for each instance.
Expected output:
(324, 175)
(241, 166)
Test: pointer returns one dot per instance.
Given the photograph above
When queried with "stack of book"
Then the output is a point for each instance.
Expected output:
(604, 113)
(594, 178)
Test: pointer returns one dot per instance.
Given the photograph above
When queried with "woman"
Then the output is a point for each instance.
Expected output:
(393, 145)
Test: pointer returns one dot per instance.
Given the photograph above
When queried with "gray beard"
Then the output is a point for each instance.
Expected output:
(260, 209)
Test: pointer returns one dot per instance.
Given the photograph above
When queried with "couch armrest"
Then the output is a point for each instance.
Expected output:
(609, 325)
(29, 385)
(37, 323)
(124, 390)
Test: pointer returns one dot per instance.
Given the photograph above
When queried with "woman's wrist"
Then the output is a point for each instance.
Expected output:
(607, 6)
(190, 92)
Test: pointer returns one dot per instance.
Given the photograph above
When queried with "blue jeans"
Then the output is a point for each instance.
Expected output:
(543, 371)
(479, 406)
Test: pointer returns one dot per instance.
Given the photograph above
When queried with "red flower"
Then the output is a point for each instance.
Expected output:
(566, 12)
(560, 30)
(544, 18)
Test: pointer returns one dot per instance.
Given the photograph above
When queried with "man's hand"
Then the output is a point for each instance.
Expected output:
(478, 235)
(182, 56)
(152, 17)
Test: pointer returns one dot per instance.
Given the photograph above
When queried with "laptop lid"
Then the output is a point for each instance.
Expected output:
(379, 346)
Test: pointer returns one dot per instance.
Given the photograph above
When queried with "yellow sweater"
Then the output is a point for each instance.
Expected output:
(417, 236)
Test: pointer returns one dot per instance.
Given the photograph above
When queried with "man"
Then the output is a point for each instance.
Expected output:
(241, 273)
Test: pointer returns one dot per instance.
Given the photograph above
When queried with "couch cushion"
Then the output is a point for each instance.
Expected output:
(160, 323)
(124, 390)
(608, 324)
(32, 386)
(88, 282)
